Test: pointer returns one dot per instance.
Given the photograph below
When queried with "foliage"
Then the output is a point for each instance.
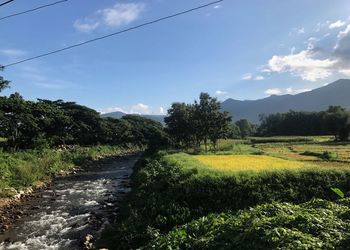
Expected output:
(202, 122)
(22, 169)
(246, 128)
(3, 83)
(317, 224)
(285, 139)
(334, 121)
(45, 124)
(338, 192)
(171, 190)
(328, 156)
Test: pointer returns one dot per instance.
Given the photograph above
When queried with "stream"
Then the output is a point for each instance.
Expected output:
(72, 210)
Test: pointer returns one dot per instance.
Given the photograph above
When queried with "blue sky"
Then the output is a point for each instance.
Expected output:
(237, 49)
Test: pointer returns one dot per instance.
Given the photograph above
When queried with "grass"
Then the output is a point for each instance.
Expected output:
(254, 163)
(170, 190)
(291, 139)
(317, 224)
(22, 169)
(255, 194)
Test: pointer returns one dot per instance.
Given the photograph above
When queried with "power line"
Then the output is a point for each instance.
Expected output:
(31, 10)
(9, 1)
(114, 34)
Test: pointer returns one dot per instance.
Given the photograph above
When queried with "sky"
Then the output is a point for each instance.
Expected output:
(237, 49)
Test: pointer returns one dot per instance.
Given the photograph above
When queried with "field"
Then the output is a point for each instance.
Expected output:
(198, 201)
(237, 163)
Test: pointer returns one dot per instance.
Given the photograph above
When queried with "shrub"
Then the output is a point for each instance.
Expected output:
(173, 190)
(317, 224)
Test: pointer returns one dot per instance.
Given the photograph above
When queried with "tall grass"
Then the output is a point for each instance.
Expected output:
(22, 169)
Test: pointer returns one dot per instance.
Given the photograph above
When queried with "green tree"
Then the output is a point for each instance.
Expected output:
(202, 122)
(179, 124)
(234, 131)
(3, 83)
(245, 127)
(18, 124)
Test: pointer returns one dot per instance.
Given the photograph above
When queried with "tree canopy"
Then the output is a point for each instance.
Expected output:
(190, 125)
(334, 121)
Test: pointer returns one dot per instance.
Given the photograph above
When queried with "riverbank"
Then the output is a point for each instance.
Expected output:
(19, 171)
(24, 174)
(72, 209)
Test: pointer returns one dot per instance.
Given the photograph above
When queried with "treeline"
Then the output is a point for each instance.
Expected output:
(43, 123)
(334, 121)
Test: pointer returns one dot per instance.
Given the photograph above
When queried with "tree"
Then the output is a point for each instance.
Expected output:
(234, 132)
(210, 123)
(3, 83)
(333, 121)
(18, 124)
(245, 127)
(179, 124)
(190, 125)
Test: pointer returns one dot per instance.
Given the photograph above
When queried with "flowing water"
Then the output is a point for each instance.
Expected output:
(74, 206)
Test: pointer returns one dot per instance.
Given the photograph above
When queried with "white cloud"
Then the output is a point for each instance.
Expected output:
(121, 14)
(259, 78)
(217, 6)
(290, 90)
(345, 72)
(115, 16)
(274, 91)
(114, 109)
(161, 111)
(85, 26)
(337, 24)
(13, 52)
(315, 63)
(247, 76)
(301, 30)
(140, 109)
(220, 92)
(303, 64)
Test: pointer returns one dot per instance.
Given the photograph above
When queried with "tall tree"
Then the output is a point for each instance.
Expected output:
(245, 127)
(179, 124)
(202, 122)
(3, 83)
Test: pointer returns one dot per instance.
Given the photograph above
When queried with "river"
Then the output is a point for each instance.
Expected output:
(60, 217)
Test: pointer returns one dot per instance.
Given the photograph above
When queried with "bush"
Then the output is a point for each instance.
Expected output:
(317, 224)
(173, 190)
(328, 156)
(286, 139)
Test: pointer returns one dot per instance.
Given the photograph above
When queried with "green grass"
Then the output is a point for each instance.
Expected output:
(317, 224)
(22, 169)
(172, 190)
(291, 139)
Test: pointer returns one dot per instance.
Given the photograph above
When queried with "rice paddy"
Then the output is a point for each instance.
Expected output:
(239, 163)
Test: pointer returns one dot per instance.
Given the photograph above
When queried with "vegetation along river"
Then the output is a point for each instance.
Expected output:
(73, 208)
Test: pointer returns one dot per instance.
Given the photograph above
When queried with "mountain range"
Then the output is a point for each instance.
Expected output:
(336, 93)
(118, 115)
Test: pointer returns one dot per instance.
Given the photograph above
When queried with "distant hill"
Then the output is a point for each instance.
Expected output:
(336, 93)
(118, 115)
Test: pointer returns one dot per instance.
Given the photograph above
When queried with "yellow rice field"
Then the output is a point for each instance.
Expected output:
(247, 162)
